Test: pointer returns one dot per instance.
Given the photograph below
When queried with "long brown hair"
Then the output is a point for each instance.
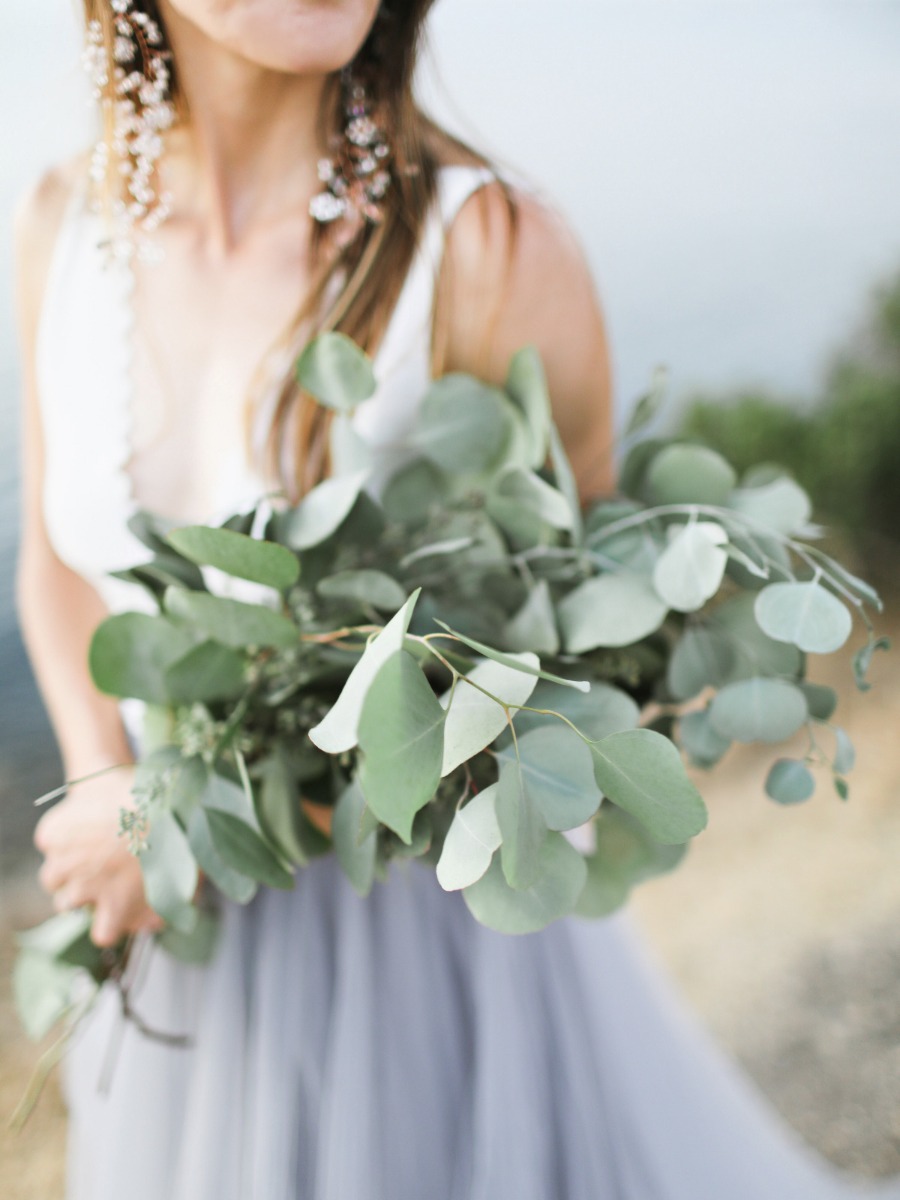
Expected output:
(367, 274)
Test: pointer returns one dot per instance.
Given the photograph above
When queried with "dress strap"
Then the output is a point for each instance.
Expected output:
(409, 330)
(377, 436)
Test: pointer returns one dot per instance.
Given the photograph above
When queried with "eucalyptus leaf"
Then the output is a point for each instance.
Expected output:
(789, 781)
(690, 569)
(281, 815)
(421, 838)
(636, 463)
(162, 572)
(365, 586)
(526, 507)
(232, 883)
(566, 482)
(863, 590)
(44, 991)
(55, 935)
(557, 768)
(401, 736)
(862, 660)
(338, 729)
(439, 549)
(170, 778)
(555, 893)
(151, 530)
(514, 661)
(474, 720)
(229, 622)
(648, 406)
(702, 744)
(642, 772)
(464, 425)
(804, 614)
(758, 710)
(334, 371)
(844, 753)
(610, 610)
(209, 671)
(636, 549)
(130, 653)
(522, 826)
(471, 841)
(412, 490)
(625, 856)
(745, 567)
(322, 511)
(170, 872)
(224, 796)
(237, 554)
(821, 701)
(533, 627)
(526, 385)
(604, 710)
(755, 653)
(196, 947)
(355, 853)
(242, 848)
(689, 474)
(779, 504)
(703, 657)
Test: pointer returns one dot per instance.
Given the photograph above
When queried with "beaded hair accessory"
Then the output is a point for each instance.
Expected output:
(357, 176)
(138, 112)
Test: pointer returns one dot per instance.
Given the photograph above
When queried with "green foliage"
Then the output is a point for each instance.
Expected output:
(458, 668)
(335, 371)
(625, 855)
(237, 554)
(561, 878)
(843, 451)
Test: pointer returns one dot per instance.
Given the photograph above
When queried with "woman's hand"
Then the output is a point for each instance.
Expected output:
(87, 861)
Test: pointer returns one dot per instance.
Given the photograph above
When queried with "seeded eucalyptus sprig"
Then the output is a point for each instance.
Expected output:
(466, 667)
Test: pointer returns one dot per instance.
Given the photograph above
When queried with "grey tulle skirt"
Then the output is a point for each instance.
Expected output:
(393, 1049)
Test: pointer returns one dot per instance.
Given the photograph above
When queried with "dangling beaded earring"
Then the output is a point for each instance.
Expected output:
(141, 112)
(357, 176)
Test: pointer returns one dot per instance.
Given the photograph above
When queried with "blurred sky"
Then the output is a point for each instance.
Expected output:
(730, 165)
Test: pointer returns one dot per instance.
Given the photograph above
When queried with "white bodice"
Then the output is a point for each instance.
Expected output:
(86, 393)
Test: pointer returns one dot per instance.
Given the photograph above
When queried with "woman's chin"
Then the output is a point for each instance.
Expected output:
(298, 37)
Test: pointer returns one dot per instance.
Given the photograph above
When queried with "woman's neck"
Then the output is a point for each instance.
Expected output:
(249, 149)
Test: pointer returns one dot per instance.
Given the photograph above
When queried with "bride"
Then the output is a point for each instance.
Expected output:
(264, 173)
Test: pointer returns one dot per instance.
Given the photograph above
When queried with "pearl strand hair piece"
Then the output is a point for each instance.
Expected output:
(358, 175)
(139, 112)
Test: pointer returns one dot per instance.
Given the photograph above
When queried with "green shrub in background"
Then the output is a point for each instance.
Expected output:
(844, 450)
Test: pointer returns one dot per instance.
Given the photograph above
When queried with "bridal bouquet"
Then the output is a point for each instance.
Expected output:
(469, 671)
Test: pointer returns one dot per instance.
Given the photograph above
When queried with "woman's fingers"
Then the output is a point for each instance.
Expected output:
(52, 876)
(106, 928)
(69, 896)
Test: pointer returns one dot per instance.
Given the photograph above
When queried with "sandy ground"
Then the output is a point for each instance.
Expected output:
(782, 930)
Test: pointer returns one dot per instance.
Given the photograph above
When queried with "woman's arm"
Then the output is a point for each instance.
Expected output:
(508, 284)
(86, 862)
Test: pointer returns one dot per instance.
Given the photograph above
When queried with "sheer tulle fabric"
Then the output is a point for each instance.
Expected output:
(393, 1049)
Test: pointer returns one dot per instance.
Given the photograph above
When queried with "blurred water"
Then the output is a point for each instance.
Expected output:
(730, 166)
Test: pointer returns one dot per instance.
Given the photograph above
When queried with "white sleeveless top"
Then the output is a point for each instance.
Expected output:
(84, 364)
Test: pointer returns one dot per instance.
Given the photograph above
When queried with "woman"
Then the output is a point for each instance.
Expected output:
(343, 1049)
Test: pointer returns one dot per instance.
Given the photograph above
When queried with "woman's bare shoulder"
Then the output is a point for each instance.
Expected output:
(516, 275)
